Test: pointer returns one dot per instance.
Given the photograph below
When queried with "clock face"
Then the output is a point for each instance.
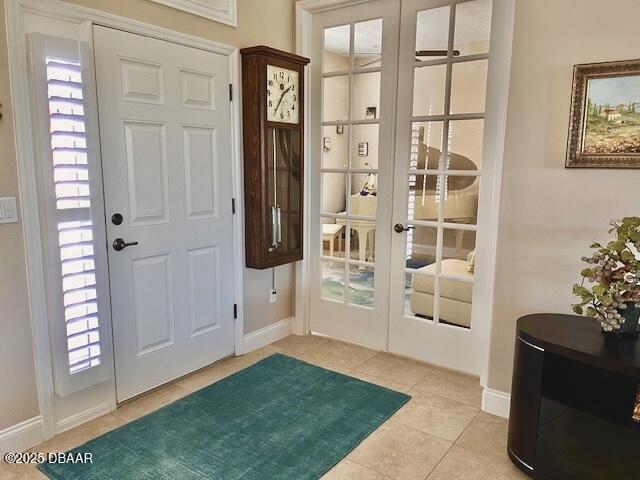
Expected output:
(282, 95)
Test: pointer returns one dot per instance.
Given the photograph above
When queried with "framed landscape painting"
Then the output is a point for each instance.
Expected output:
(604, 125)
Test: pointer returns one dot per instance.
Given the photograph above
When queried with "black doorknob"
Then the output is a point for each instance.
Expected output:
(116, 219)
(120, 244)
(399, 228)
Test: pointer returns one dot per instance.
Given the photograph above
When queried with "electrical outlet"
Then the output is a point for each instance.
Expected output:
(8, 210)
(273, 296)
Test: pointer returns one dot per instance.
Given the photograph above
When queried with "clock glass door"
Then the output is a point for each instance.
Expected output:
(351, 202)
(283, 178)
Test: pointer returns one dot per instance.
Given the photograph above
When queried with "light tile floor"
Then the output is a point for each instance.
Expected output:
(440, 434)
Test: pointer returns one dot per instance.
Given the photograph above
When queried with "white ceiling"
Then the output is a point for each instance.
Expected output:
(473, 21)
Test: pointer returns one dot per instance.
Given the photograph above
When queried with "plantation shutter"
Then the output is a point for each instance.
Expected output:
(72, 212)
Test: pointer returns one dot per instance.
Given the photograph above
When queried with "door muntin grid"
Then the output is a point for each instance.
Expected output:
(351, 82)
(445, 164)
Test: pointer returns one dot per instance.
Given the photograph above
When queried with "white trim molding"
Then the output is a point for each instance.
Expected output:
(21, 436)
(317, 6)
(83, 417)
(222, 11)
(235, 76)
(496, 402)
(301, 324)
(269, 334)
(505, 17)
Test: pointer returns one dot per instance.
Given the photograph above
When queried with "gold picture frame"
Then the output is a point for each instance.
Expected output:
(604, 122)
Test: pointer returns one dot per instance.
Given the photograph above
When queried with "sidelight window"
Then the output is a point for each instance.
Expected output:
(73, 211)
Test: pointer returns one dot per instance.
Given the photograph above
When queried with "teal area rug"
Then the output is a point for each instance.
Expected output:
(278, 419)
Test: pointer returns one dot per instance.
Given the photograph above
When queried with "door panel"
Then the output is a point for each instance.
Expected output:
(165, 128)
(200, 167)
(147, 172)
(142, 81)
(204, 302)
(153, 303)
(443, 65)
(353, 72)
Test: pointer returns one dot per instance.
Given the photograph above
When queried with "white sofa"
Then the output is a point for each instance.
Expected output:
(455, 295)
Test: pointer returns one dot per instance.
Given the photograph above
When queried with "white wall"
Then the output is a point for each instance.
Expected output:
(549, 215)
(18, 399)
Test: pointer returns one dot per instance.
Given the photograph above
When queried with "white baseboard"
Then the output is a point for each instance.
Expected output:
(496, 402)
(22, 436)
(82, 417)
(267, 335)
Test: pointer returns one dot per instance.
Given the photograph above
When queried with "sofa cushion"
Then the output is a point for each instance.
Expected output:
(453, 289)
(471, 260)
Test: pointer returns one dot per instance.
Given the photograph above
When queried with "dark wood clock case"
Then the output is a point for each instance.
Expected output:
(273, 191)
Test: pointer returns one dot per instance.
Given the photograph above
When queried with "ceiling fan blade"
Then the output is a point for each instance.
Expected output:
(435, 53)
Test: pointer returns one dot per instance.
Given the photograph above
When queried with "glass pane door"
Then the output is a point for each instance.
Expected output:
(354, 82)
(439, 170)
(349, 170)
(283, 179)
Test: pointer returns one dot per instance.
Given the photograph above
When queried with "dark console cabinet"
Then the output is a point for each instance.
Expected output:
(573, 399)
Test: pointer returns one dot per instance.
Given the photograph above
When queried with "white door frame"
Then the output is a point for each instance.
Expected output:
(498, 98)
(85, 18)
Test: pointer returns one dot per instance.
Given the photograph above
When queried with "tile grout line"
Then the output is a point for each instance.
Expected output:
(431, 369)
(454, 443)
(346, 457)
(467, 427)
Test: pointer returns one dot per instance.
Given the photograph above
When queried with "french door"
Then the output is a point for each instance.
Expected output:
(354, 67)
(404, 178)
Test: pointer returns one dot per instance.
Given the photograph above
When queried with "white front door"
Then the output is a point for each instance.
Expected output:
(397, 270)
(165, 138)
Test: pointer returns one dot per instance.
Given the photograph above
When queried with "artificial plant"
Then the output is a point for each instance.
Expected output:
(612, 276)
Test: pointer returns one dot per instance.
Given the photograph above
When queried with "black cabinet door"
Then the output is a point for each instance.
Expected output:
(525, 401)
(586, 429)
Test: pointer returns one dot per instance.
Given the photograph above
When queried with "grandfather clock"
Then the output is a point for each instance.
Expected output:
(273, 125)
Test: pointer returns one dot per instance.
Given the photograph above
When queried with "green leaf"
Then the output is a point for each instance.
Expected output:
(587, 272)
(606, 300)
(631, 221)
(595, 245)
(577, 309)
(616, 246)
(591, 312)
(599, 290)
(580, 291)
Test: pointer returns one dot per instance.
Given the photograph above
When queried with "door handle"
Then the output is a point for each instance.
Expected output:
(120, 244)
(399, 228)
